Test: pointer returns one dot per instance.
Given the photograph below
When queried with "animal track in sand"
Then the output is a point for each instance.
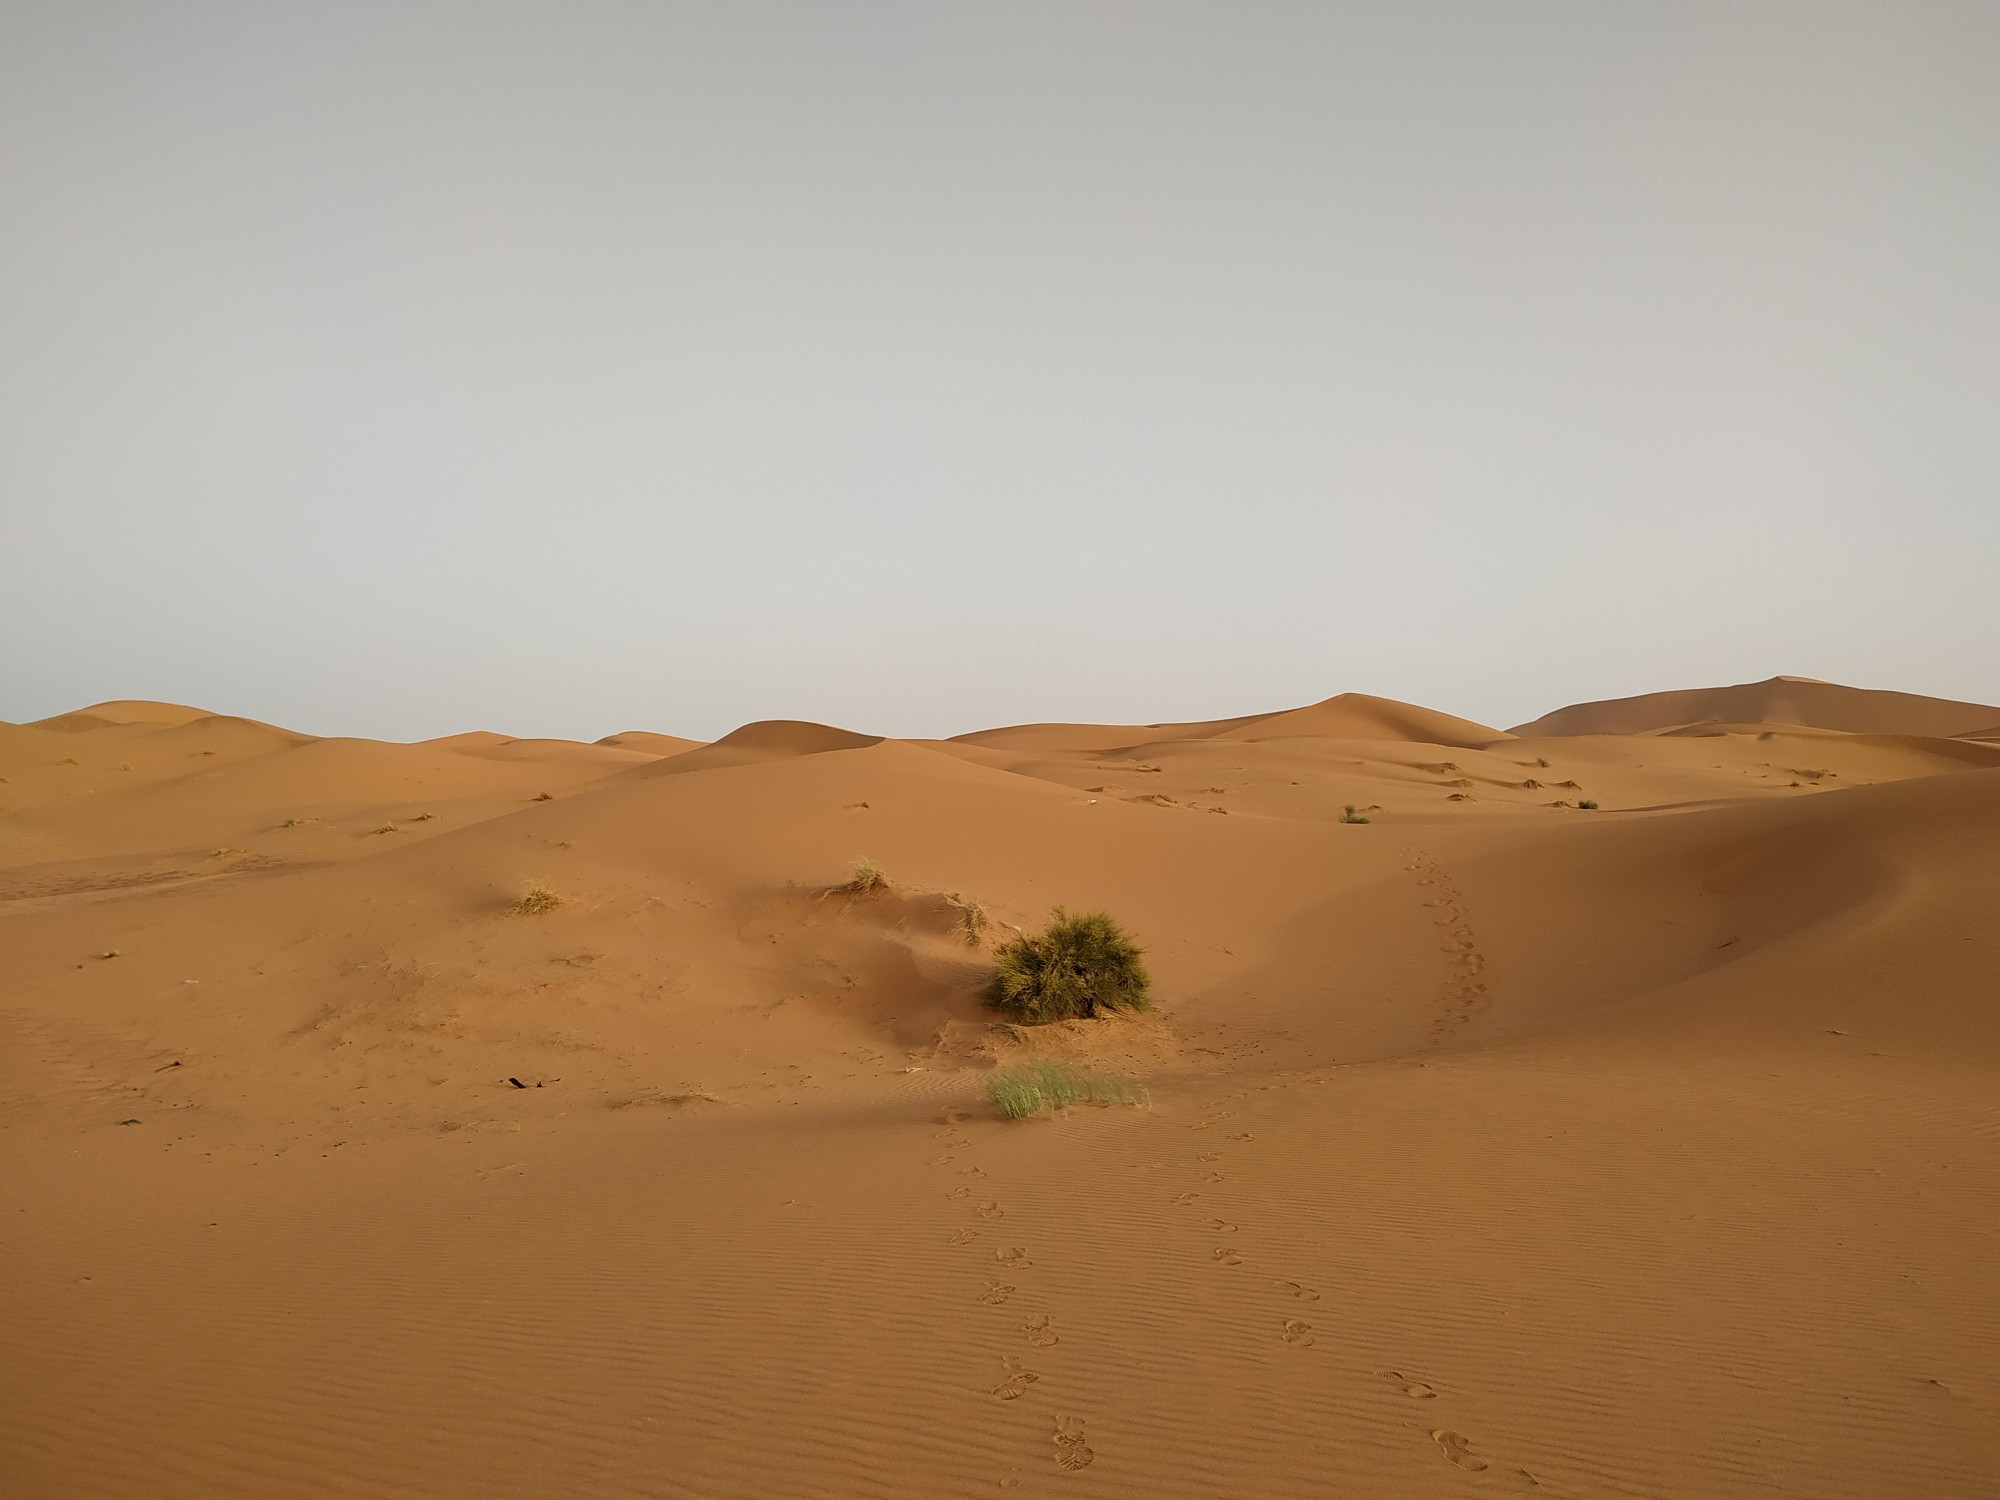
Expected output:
(959, 1192)
(1454, 1448)
(996, 1293)
(1072, 1452)
(1015, 1259)
(1303, 1293)
(1041, 1333)
(992, 1211)
(1222, 1255)
(1223, 1226)
(1185, 1199)
(1213, 1177)
(1017, 1382)
(939, 1161)
(965, 1236)
(1209, 1156)
(1417, 1390)
(1298, 1333)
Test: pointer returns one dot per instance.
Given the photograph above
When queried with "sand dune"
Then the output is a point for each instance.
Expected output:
(1779, 700)
(1495, 1142)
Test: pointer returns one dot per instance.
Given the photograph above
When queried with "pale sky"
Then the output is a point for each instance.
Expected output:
(403, 368)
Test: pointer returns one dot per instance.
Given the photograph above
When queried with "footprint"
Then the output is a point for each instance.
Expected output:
(971, 1172)
(996, 1293)
(1303, 1293)
(1014, 1260)
(1225, 1257)
(939, 1161)
(1072, 1452)
(1213, 1177)
(1454, 1448)
(965, 1236)
(1040, 1333)
(1185, 1199)
(992, 1211)
(1209, 1156)
(1298, 1333)
(960, 1192)
(1223, 1226)
(1246, 1136)
(1017, 1382)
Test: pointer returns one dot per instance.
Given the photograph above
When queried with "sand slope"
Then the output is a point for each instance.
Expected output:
(1493, 1144)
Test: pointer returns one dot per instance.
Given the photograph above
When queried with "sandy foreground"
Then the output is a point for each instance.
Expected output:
(1494, 1146)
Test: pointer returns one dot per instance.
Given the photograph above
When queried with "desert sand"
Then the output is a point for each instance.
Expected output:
(1495, 1145)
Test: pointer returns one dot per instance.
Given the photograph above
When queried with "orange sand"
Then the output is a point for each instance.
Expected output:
(1494, 1146)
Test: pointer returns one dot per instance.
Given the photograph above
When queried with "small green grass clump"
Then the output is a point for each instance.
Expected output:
(1587, 805)
(1020, 1092)
(1079, 966)
(538, 898)
(1350, 814)
(863, 876)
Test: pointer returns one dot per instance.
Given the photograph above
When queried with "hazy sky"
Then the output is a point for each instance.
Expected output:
(404, 368)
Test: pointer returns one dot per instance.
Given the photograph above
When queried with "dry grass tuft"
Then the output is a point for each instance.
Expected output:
(864, 876)
(973, 918)
(538, 898)
(543, 797)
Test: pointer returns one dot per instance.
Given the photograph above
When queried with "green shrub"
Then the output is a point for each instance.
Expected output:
(1587, 805)
(1079, 966)
(1350, 814)
(1024, 1091)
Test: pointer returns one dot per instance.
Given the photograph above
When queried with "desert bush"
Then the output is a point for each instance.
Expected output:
(1587, 805)
(1078, 966)
(1349, 814)
(1020, 1092)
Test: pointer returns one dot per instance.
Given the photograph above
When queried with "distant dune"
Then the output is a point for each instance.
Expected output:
(1778, 700)
(1353, 716)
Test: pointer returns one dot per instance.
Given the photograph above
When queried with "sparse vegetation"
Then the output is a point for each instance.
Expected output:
(1079, 966)
(1351, 814)
(424, 817)
(543, 797)
(1020, 1092)
(295, 822)
(972, 916)
(1587, 805)
(863, 876)
(1542, 761)
(538, 898)
(385, 828)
